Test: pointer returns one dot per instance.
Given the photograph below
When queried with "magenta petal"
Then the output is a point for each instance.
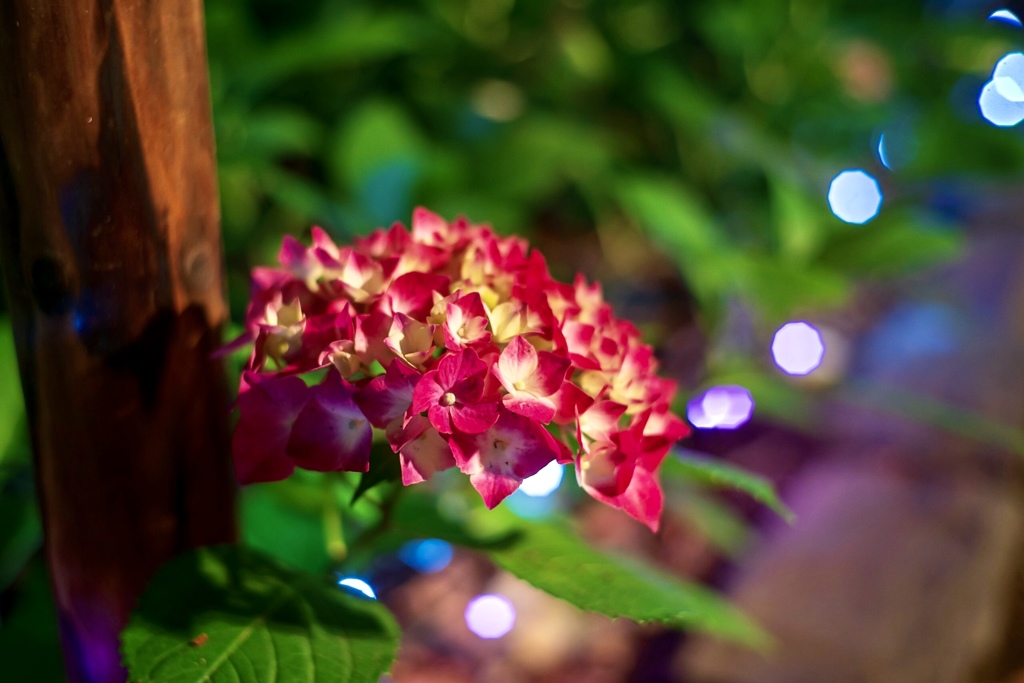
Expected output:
(423, 453)
(551, 369)
(539, 409)
(493, 488)
(268, 408)
(427, 392)
(642, 500)
(499, 458)
(331, 433)
(474, 418)
(458, 367)
(441, 418)
(387, 397)
(412, 293)
(570, 401)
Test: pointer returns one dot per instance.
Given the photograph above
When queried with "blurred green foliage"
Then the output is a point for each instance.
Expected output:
(710, 128)
(714, 127)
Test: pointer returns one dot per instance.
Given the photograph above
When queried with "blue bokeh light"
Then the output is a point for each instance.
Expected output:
(428, 556)
(1005, 16)
(854, 196)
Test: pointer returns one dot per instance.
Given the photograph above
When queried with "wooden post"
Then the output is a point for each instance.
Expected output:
(112, 263)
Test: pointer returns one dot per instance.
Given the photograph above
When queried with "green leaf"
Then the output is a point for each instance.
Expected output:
(229, 614)
(286, 520)
(679, 220)
(702, 470)
(554, 559)
(797, 222)
(12, 407)
(778, 289)
(890, 246)
(376, 134)
(384, 467)
(551, 557)
(352, 38)
(21, 535)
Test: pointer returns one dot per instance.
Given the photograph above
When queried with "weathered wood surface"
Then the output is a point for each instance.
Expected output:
(112, 263)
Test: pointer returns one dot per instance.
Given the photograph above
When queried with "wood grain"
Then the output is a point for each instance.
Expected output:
(112, 262)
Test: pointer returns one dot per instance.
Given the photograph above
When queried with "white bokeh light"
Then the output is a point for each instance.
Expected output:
(1008, 89)
(854, 196)
(358, 585)
(798, 348)
(723, 407)
(1002, 99)
(490, 616)
(1005, 16)
(1010, 66)
(998, 110)
(545, 482)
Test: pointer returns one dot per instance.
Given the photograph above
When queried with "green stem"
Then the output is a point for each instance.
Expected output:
(334, 534)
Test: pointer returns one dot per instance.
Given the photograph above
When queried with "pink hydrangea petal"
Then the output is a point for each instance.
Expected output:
(426, 393)
(473, 418)
(606, 468)
(518, 361)
(268, 408)
(466, 322)
(643, 500)
(388, 396)
(509, 451)
(493, 487)
(569, 402)
(540, 409)
(422, 451)
(331, 433)
(601, 420)
(412, 293)
(551, 370)
(441, 418)
(457, 367)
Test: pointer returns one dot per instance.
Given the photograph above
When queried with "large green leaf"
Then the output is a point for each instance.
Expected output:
(703, 470)
(229, 614)
(551, 557)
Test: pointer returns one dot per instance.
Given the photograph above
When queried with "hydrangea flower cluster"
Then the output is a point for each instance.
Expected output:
(459, 345)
